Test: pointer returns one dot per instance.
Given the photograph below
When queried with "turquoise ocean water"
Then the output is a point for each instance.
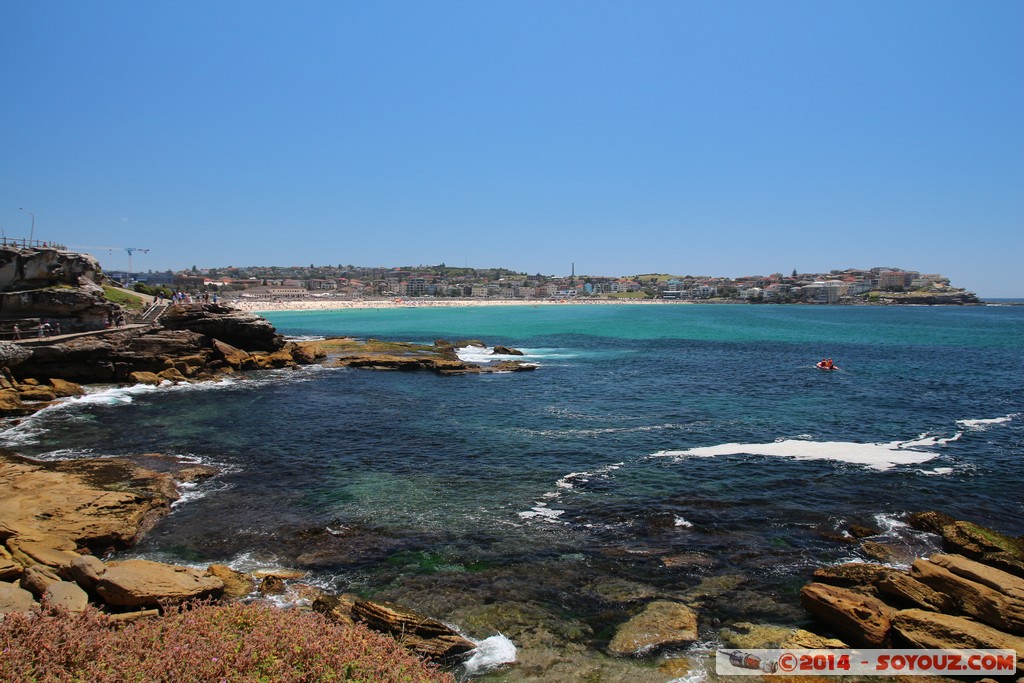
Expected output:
(662, 450)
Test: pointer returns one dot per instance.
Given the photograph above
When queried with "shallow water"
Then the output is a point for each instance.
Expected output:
(668, 451)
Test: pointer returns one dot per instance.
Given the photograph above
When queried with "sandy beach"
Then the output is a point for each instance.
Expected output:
(341, 304)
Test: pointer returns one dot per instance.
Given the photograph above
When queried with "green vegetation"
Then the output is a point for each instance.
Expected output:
(203, 642)
(124, 298)
(143, 288)
(629, 295)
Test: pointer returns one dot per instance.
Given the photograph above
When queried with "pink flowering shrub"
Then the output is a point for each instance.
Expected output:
(202, 644)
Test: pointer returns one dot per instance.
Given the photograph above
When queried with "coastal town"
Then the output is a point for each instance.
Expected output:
(347, 282)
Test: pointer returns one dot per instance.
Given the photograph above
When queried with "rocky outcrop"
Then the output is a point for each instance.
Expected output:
(506, 351)
(421, 634)
(30, 268)
(238, 328)
(661, 624)
(141, 583)
(945, 601)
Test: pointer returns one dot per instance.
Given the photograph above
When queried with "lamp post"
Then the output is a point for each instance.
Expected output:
(32, 233)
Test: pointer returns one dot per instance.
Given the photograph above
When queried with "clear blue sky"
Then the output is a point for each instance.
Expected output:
(724, 138)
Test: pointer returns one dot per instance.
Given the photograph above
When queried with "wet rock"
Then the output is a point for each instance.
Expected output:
(141, 583)
(272, 585)
(63, 388)
(880, 552)
(661, 624)
(65, 595)
(918, 628)
(931, 521)
(142, 377)
(423, 635)
(859, 618)
(506, 351)
(14, 598)
(745, 635)
(236, 584)
(622, 591)
(860, 531)
(862, 576)
(338, 608)
(805, 640)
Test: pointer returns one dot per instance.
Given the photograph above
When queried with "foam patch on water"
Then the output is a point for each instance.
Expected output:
(483, 355)
(876, 456)
(985, 423)
(682, 523)
(489, 654)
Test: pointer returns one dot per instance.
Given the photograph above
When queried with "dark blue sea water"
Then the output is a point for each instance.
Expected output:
(683, 451)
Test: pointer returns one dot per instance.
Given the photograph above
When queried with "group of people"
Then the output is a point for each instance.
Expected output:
(826, 364)
(180, 297)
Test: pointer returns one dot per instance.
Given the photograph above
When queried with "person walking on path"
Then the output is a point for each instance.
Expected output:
(17, 331)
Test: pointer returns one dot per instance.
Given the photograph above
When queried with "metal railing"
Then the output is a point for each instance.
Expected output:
(31, 244)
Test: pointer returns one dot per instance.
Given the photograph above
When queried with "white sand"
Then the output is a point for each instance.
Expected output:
(341, 304)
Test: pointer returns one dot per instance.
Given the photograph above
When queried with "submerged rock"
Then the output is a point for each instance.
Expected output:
(661, 624)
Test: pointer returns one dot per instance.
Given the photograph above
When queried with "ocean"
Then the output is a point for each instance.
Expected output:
(688, 452)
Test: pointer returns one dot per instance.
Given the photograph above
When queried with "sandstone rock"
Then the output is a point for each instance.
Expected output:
(236, 584)
(880, 552)
(858, 618)
(235, 358)
(306, 353)
(13, 354)
(506, 351)
(74, 501)
(240, 329)
(37, 578)
(860, 531)
(973, 540)
(851, 574)
(9, 568)
(52, 551)
(38, 394)
(904, 588)
(63, 388)
(141, 377)
(338, 608)
(423, 635)
(86, 570)
(14, 598)
(65, 595)
(973, 599)
(272, 585)
(921, 629)
(661, 624)
(10, 404)
(805, 640)
(998, 580)
(931, 521)
(744, 635)
(172, 374)
(139, 583)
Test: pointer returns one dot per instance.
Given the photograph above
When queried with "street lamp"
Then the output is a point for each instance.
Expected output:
(31, 234)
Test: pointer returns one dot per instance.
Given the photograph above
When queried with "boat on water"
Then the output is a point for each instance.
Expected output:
(826, 365)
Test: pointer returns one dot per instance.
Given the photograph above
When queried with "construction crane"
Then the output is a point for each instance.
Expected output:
(130, 250)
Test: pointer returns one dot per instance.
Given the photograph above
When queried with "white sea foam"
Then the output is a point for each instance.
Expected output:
(877, 456)
(681, 522)
(484, 355)
(489, 654)
(937, 472)
(542, 512)
(986, 423)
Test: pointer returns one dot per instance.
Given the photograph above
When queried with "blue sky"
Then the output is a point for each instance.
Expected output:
(725, 138)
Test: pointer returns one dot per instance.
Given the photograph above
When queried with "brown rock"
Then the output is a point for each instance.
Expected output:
(661, 624)
(38, 394)
(974, 541)
(998, 580)
(141, 377)
(864, 574)
(423, 635)
(52, 551)
(975, 600)
(14, 599)
(37, 578)
(71, 501)
(861, 531)
(272, 585)
(9, 568)
(234, 357)
(86, 571)
(930, 521)
(65, 595)
(338, 608)
(859, 619)
(908, 590)
(921, 629)
(506, 351)
(10, 404)
(63, 388)
(805, 640)
(880, 552)
(138, 583)
(236, 584)
(172, 375)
